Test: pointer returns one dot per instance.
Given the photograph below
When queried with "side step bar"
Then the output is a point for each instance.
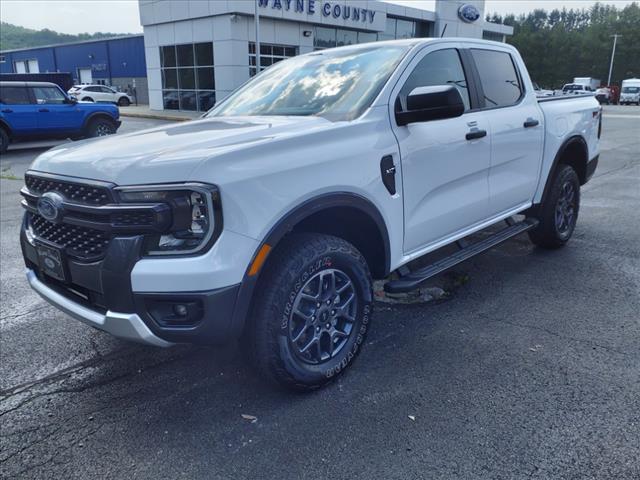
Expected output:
(413, 280)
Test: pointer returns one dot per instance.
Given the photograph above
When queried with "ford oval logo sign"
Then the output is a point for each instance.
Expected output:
(50, 207)
(468, 13)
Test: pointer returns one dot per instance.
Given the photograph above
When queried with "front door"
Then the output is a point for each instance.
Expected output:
(55, 114)
(444, 174)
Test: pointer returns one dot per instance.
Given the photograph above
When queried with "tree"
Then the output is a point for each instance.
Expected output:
(562, 44)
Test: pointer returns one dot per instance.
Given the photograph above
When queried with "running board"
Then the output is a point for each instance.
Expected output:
(414, 279)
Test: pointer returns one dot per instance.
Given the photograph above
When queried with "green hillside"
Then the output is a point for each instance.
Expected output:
(14, 36)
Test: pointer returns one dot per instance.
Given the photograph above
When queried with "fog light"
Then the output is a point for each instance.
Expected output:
(167, 312)
(180, 310)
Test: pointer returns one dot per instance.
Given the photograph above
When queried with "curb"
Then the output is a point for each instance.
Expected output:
(155, 117)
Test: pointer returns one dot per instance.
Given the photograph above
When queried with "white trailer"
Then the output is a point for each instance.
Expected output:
(592, 83)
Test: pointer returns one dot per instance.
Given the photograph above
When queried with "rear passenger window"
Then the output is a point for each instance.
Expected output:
(499, 78)
(14, 96)
(442, 67)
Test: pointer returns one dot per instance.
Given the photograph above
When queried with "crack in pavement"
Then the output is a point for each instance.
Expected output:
(61, 377)
(58, 452)
(7, 317)
(556, 334)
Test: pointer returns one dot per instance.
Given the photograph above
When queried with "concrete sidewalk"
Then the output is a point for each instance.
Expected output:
(143, 111)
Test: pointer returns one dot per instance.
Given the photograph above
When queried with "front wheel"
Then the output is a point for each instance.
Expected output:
(100, 128)
(124, 102)
(312, 311)
(4, 140)
(558, 213)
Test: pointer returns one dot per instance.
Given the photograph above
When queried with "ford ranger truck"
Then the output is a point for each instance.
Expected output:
(268, 219)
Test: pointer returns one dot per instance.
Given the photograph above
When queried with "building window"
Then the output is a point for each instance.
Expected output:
(269, 54)
(337, 37)
(346, 37)
(495, 36)
(398, 28)
(26, 66)
(188, 76)
(324, 38)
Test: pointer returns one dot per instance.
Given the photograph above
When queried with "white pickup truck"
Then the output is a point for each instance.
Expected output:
(267, 219)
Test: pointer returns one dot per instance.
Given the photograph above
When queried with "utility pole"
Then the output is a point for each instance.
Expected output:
(613, 54)
(257, 22)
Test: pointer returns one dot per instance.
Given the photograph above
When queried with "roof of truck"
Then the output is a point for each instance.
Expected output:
(27, 84)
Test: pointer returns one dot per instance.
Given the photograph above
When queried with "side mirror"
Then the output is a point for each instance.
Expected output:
(431, 103)
(71, 100)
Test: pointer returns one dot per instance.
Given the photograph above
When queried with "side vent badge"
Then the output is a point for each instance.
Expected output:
(388, 173)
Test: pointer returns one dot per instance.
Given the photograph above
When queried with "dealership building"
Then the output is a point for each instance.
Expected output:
(199, 51)
(118, 62)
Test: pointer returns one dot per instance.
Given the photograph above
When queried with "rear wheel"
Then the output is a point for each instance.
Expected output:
(124, 102)
(312, 311)
(87, 99)
(101, 127)
(4, 140)
(558, 214)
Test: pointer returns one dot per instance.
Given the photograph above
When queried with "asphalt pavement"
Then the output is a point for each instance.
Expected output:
(529, 368)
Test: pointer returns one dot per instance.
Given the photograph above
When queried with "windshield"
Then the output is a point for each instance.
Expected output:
(631, 90)
(335, 84)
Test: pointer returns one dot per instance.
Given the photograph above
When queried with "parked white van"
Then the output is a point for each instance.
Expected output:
(630, 91)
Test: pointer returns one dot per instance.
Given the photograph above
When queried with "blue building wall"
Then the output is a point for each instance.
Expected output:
(112, 58)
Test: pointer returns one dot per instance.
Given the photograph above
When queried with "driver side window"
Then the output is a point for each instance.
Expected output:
(48, 95)
(442, 67)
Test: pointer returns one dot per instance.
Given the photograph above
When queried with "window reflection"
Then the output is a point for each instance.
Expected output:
(338, 85)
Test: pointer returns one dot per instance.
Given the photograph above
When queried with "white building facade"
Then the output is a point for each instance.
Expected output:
(198, 51)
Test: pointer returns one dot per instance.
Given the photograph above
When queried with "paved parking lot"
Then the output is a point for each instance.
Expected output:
(529, 369)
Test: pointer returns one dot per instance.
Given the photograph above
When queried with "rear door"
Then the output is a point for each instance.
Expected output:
(516, 127)
(19, 110)
(55, 114)
(444, 174)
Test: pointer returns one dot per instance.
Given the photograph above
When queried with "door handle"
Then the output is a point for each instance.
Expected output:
(475, 134)
(7, 110)
(531, 122)
(43, 110)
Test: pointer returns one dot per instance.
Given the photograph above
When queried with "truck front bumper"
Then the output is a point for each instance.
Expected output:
(100, 294)
(124, 325)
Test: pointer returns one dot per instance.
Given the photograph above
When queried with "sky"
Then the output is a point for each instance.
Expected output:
(121, 16)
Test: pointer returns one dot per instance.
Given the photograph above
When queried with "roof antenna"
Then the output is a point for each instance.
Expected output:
(444, 30)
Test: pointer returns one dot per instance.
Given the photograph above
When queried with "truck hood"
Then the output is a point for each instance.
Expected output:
(169, 153)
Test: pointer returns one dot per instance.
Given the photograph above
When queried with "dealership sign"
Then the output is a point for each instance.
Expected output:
(320, 7)
(468, 13)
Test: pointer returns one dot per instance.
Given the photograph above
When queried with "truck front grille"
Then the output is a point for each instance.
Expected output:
(80, 242)
(83, 193)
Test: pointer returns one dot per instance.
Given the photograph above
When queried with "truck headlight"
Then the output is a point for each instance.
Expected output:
(196, 216)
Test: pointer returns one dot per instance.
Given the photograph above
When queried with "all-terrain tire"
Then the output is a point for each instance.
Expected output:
(100, 127)
(290, 303)
(558, 213)
(4, 140)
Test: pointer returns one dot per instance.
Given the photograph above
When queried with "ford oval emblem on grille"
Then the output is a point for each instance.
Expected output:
(468, 13)
(50, 207)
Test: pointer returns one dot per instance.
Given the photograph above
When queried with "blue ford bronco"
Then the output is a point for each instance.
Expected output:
(41, 110)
